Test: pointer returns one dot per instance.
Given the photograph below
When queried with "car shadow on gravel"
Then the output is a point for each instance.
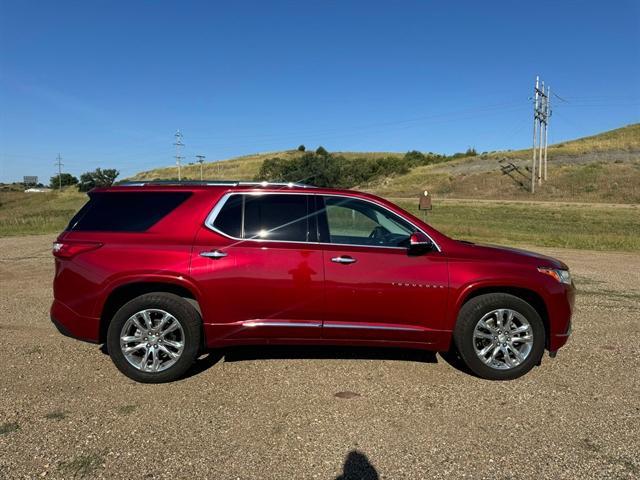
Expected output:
(454, 360)
(320, 352)
(313, 352)
(306, 352)
(316, 352)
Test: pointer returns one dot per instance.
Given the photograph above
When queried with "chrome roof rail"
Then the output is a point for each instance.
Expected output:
(275, 184)
(212, 183)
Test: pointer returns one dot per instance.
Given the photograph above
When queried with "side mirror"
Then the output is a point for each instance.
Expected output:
(419, 243)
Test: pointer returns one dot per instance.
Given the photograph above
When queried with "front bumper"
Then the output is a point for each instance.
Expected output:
(72, 325)
(559, 340)
(561, 319)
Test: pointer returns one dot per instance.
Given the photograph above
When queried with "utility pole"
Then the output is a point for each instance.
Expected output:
(535, 127)
(59, 164)
(540, 135)
(541, 114)
(546, 130)
(200, 161)
(178, 143)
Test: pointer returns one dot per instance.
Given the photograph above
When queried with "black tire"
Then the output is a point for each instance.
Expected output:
(182, 311)
(471, 313)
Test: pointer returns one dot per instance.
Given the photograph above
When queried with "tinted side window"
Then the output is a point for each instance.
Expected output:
(229, 220)
(356, 222)
(125, 211)
(268, 217)
(276, 217)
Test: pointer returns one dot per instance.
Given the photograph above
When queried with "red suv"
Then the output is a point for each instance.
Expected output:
(162, 271)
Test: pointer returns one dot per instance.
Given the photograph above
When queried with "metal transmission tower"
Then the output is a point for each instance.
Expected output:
(541, 114)
(178, 143)
(59, 164)
(200, 161)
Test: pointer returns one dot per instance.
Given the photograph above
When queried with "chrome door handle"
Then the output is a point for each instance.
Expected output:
(215, 254)
(342, 259)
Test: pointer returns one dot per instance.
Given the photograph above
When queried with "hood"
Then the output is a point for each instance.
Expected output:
(506, 254)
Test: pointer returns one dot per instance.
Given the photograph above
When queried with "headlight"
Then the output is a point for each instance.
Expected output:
(563, 276)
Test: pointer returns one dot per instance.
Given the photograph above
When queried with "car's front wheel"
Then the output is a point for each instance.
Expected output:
(154, 338)
(499, 336)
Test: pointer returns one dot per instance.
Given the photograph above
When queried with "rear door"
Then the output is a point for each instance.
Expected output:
(375, 290)
(261, 276)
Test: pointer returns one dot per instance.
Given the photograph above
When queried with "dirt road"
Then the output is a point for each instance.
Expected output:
(541, 203)
(66, 412)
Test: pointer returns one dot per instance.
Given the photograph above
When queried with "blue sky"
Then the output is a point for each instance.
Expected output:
(106, 84)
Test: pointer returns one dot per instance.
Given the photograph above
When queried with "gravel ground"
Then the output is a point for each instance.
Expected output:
(66, 412)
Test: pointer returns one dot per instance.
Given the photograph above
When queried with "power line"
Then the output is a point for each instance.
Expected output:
(451, 116)
(560, 98)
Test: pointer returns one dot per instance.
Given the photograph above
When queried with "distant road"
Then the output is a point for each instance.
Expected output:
(550, 203)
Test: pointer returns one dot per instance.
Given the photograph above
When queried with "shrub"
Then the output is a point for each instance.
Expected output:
(324, 169)
(65, 179)
(97, 178)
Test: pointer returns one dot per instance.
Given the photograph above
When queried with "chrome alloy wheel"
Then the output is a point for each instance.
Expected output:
(152, 340)
(503, 339)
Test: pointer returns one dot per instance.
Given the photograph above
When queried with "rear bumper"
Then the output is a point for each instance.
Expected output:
(72, 325)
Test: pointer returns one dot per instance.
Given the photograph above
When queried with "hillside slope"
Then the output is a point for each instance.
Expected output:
(598, 168)
(239, 168)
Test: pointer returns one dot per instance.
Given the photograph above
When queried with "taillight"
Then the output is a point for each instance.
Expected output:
(71, 249)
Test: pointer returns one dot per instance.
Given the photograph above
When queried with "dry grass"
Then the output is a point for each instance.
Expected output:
(594, 182)
(539, 224)
(8, 428)
(240, 168)
(32, 213)
(81, 466)
(571, 226)
(621, 139)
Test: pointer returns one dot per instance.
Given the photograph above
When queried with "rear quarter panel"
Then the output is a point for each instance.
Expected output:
(161, 254)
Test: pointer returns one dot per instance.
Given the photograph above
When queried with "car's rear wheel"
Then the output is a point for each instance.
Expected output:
(499, 336)
(154, 338)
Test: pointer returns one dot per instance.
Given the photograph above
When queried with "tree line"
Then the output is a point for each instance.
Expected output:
(88, 180)
(323, 169)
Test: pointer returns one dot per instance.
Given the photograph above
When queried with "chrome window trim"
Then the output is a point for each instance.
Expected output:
(223, 200)
(372, 327)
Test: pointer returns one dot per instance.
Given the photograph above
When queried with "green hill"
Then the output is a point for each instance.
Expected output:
(603, 168)
(240, 168)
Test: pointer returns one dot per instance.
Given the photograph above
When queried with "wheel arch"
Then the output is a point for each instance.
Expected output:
(532, 297)
(128, 291)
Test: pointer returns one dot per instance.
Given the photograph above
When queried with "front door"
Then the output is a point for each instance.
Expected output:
(260, 276)
(376, 290)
